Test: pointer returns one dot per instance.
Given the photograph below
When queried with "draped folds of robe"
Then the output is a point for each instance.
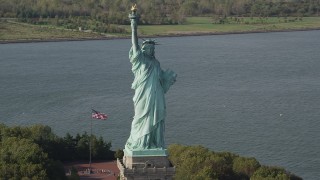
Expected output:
(150, 84)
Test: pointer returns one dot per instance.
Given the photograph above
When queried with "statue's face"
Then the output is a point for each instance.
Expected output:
(148, 49)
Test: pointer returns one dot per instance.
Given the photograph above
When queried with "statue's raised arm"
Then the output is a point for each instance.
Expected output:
(134, 23)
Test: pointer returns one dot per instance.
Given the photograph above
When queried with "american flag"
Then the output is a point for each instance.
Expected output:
(98, 115)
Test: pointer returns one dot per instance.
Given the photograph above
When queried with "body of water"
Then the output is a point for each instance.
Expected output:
(251, 94)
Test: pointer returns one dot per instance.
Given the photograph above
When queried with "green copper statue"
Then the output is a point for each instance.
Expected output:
(150, 84)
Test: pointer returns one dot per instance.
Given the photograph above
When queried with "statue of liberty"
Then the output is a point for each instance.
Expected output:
(150, 84)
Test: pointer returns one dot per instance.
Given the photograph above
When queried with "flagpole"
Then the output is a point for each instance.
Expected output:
(97, 115)
(90, 146)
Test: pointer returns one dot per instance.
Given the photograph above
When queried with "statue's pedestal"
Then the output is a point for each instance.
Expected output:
(146, 164)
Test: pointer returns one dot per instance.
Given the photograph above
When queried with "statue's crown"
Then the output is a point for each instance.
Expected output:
(149, 41)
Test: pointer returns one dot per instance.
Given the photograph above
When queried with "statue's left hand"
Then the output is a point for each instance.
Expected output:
(173, 79)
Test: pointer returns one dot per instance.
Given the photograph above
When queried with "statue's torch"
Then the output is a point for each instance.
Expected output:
(133, 14)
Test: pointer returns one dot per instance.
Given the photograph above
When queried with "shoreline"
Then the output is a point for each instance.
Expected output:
(152, 36)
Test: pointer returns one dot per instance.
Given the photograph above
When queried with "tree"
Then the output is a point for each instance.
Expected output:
(190, 8)
(55, 170)
(245, 167)
(119, 154)
(36, 152)
(101, 149)
(275, 173)
(21, 158)
(82, 148)
(69, 147)
(197, 162)
(74, 174)
(23, 153)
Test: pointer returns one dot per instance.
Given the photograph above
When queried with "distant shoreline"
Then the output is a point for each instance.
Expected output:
(152, 36)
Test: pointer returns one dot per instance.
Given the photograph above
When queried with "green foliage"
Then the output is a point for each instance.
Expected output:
(77, 148)
(245, 167)
(152, 12)
(35, 152)
(267, 172)
(74, 174)
(21, 158)
(55, 170)
(24, 153)
(197, 162)
(63, 149)
(119, 154)
(274, 173)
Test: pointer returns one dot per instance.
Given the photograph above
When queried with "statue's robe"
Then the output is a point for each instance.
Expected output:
(150, 84)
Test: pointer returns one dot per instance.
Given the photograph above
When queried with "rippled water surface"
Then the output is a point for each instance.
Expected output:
(252, 94)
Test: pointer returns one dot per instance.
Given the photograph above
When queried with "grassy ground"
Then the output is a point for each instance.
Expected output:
(11, 31)
(198, 25)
